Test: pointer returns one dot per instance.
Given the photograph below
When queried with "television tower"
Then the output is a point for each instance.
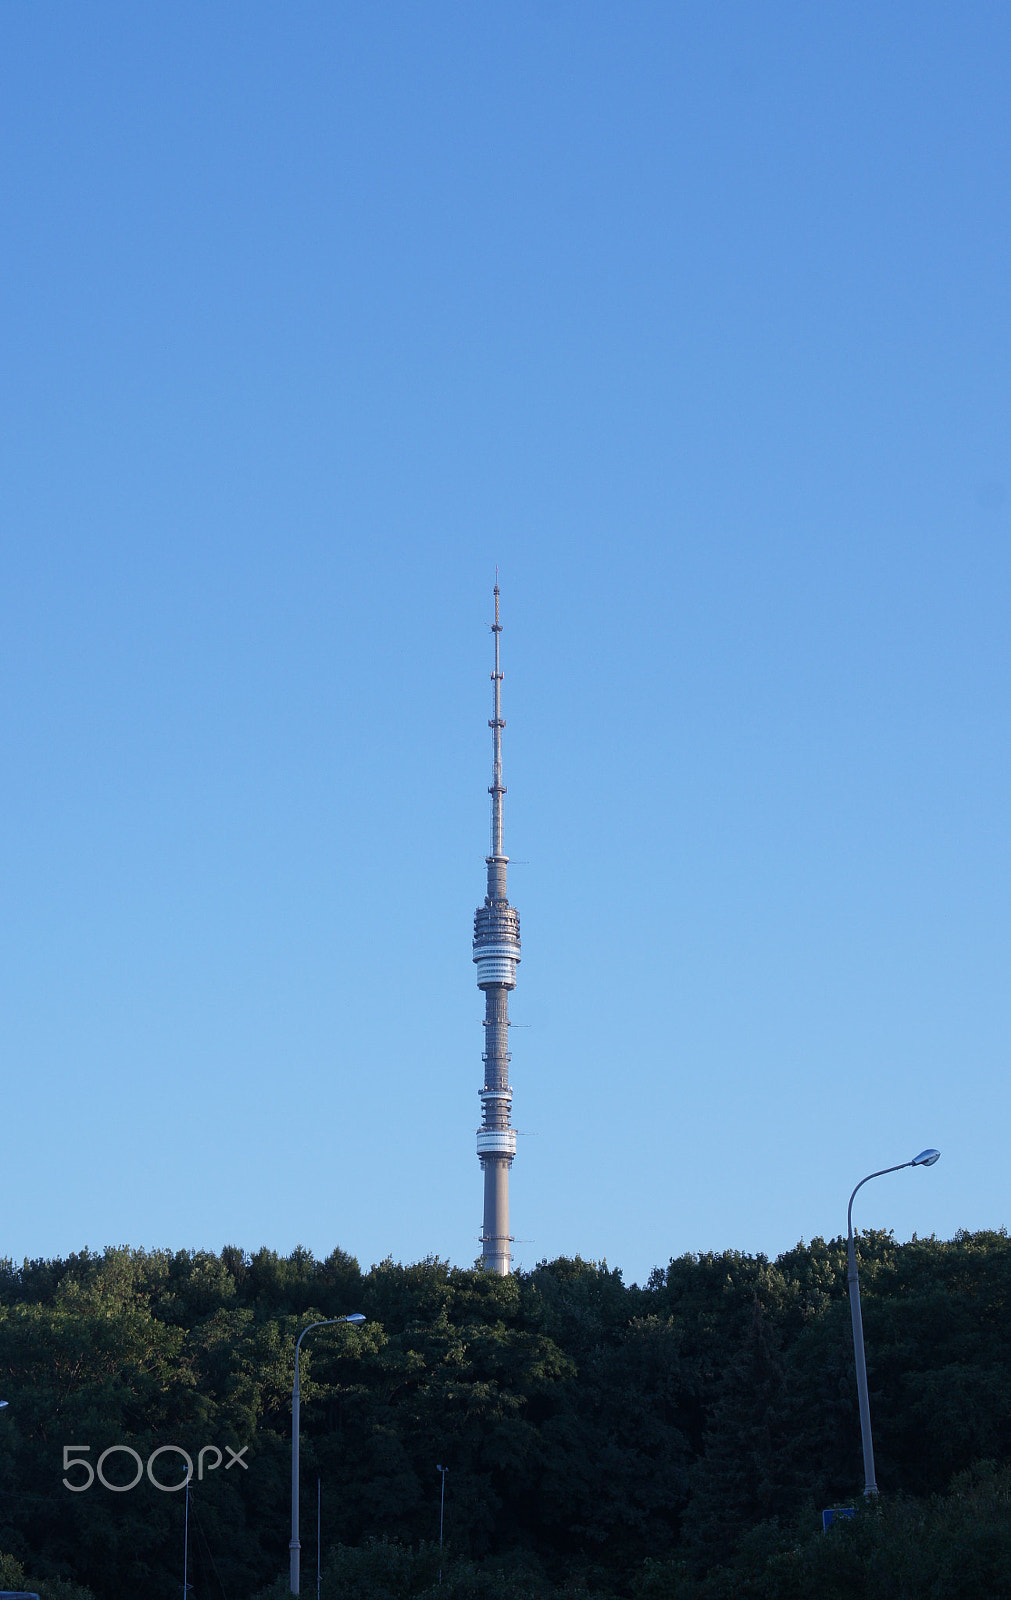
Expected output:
(496, 952)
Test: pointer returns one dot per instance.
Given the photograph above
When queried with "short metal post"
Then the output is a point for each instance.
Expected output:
(186, 1543)
(442, 1514)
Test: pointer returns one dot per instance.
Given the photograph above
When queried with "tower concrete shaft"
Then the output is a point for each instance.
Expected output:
(496, 953)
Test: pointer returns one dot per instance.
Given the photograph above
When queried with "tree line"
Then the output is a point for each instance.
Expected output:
(671, 1441)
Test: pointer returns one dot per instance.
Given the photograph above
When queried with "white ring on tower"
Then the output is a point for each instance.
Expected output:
(496, 1141)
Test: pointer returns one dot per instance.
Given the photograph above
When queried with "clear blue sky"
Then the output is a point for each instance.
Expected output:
(695, 320)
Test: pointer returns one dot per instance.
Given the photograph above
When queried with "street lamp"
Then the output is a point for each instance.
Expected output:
(294, 1547)
(926, 1158)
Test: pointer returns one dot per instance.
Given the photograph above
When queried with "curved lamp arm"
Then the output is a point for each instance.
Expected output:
(926, 1158)
(870, 1175)
(356, 1317)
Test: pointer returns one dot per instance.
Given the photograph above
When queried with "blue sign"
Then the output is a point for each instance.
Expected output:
(827, 1517)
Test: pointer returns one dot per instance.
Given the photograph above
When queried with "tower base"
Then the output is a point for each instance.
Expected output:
(495, 1253)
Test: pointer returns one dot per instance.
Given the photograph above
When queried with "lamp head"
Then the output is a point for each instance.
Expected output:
(926, 1158)
(358, 1316)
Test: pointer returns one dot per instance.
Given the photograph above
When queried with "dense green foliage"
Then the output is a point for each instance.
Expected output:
(668, 1442)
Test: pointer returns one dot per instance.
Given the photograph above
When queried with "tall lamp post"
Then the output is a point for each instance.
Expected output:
(926, 1158)
(295, 1548)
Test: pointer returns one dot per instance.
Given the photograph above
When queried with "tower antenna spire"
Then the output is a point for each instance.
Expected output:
(496, 954)
(497, 724)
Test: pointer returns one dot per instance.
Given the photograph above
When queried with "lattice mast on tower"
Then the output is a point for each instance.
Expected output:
(496, 953)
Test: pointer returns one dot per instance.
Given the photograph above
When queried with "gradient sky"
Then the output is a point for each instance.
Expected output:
(695, 320)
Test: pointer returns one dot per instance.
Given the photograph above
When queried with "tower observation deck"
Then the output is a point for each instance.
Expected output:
(496, 954)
